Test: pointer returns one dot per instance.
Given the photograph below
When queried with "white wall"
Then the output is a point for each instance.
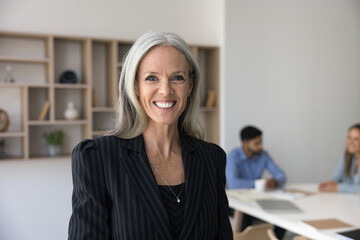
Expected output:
(293, 69)
(35, 196)
(196, 21)
(35, 199)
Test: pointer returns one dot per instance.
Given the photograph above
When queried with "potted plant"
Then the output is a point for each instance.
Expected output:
(55, 140)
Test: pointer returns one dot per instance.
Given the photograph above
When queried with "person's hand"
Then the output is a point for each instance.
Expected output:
(271, 183)
(328, 186)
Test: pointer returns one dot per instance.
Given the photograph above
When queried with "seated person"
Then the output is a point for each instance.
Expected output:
(247, 163)
(346, 177)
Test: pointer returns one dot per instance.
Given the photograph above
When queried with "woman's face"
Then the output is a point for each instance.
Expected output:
(163, 84)
(353, 141)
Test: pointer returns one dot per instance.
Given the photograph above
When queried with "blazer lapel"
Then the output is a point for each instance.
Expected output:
(194, 175)
(140, 173)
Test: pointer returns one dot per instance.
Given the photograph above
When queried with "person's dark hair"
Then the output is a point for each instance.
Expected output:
(249, 132)
(349, 156)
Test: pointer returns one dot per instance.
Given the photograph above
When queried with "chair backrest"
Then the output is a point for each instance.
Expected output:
(271, 234)
(254, 232)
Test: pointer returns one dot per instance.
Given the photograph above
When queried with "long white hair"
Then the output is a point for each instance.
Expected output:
(131, 119)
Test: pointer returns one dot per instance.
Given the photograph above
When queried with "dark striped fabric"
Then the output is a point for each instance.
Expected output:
(174, 209)
(116, 197)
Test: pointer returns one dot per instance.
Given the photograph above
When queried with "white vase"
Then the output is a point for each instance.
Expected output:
(54, 150)
(71, 112)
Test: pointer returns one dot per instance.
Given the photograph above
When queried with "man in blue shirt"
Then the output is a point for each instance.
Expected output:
(247, 164)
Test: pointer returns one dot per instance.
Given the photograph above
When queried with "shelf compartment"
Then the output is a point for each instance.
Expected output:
(123, 48)
(69, 55)
(103, 121)
(39, 96)
(65, 95)
(25, 73)
(11, 100)
(38, 146)
(17, 46)
(208, 60)
(100, 71)
(12, 148)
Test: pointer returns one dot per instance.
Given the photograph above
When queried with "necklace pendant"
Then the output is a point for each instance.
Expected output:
(178, 200)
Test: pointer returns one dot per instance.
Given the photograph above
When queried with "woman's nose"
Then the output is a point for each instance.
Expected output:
(165, 88)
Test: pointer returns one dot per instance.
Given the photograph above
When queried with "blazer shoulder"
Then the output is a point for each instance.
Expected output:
(84, 145)
(207, 146)
(96, 143)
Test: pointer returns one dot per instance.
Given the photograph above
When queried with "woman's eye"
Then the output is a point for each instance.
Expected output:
(178, 78)
(150, 78)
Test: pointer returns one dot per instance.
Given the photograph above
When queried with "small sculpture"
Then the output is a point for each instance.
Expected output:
(9, 74)
(71, 113)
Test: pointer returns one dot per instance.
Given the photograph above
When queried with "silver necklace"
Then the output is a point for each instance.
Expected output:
(177, 196)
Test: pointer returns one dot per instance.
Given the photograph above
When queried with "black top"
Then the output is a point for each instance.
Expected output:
(174, 209)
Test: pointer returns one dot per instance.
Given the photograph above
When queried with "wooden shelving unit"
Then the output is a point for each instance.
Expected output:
(38, 61)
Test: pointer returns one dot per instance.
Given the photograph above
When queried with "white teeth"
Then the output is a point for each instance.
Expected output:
(164, 104)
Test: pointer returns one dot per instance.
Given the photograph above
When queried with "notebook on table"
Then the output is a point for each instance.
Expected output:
(325, 223)
(278, 205)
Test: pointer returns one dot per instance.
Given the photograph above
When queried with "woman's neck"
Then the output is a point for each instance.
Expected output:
(162, 140)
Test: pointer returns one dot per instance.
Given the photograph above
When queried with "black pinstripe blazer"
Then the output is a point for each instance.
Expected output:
(116, 196)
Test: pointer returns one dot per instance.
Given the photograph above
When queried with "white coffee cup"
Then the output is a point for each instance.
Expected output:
(260, 185)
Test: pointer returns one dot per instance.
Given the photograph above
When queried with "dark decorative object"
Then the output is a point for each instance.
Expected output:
(68, 77)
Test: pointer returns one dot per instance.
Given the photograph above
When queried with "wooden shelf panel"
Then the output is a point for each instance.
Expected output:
(71, 86)
(48, 157)
(12, 85)
(98, 133)
(12, 134)
(20, 85)
(103, 109)
(23, 60)
(58, 122)
(12, 158)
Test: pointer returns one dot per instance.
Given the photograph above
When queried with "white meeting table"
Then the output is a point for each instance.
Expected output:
(344, 207)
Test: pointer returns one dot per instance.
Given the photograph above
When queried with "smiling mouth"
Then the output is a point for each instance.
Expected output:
(165, 105)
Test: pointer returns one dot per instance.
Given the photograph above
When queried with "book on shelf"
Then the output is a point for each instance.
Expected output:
(324, 223)
(44, 111)
(349, 235)
(94, 102)
(210, 98)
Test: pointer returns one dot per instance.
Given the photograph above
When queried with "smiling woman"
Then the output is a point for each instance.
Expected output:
(163, 85)
(152, 177)
(346, 177)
